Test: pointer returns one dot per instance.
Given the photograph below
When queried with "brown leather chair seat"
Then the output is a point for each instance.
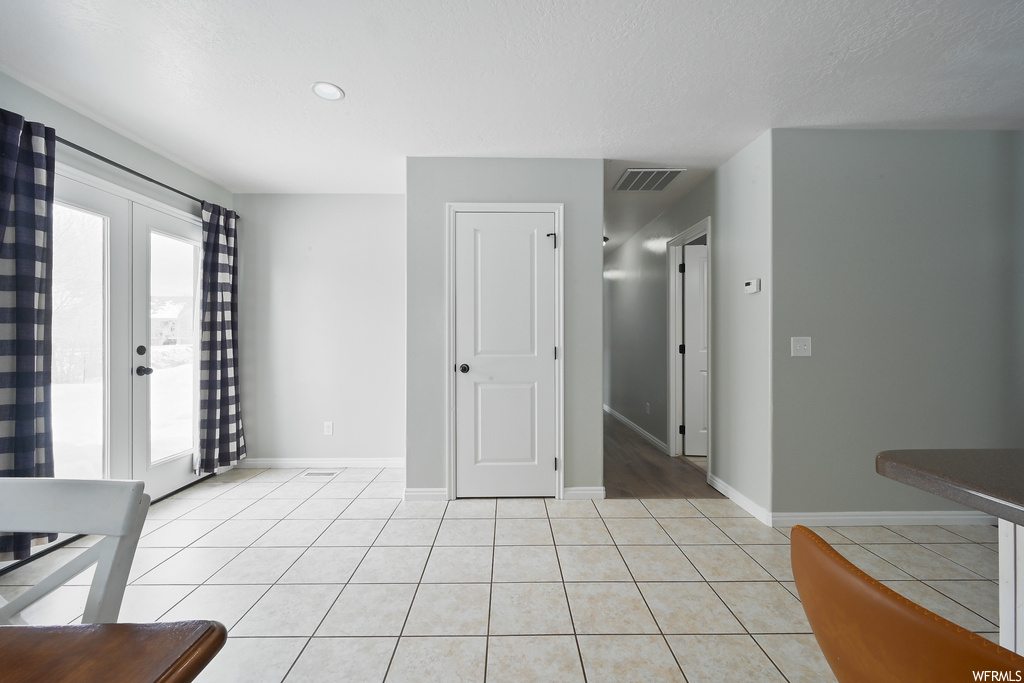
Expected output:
(869, 633)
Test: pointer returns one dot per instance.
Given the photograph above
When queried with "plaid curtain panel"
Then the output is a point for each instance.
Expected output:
(221, 441)
(26, 257)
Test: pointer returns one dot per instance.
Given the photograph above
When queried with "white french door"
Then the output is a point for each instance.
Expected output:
(165, 334)
(125, 349)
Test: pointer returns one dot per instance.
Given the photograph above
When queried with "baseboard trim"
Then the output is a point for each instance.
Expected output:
(426, 494)
(287, 463)
(638, 429)
(911, 517)
(760, 513)
(583, 493)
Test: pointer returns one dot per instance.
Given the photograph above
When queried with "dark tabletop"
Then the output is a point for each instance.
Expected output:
(989, 480)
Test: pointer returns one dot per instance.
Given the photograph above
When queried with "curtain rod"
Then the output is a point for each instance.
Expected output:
(124, 168)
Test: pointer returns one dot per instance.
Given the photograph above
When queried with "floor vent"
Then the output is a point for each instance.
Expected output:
(647, 179)
(319, 474)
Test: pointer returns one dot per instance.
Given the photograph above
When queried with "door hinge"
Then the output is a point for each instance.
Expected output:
(682, 267)
(556, 353)
(682, 348)
(551, 234)
(682, 429)
(556, 464)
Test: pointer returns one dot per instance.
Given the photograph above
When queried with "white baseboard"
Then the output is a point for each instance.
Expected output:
(912, 517)
(638, 429)
(868, 518)
(426, 494)
(760, 513)
(583, 493)
(291, 463)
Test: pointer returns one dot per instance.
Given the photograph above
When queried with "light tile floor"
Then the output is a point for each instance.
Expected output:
(326, 578)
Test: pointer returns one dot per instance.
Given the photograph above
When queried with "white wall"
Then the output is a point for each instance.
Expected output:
(70, 125)
(322, 328)
(894, 251)
(738, 199)
(431, 183)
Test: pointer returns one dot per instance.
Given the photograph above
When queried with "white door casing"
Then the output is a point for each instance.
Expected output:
(506, 331)
(695, 359)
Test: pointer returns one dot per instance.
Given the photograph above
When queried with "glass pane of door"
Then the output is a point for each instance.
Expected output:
(79, 343)
(172, 318)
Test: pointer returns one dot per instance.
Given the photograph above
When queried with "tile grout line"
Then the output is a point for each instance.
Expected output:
(565, 591)
(415, 592)
(636, 585)
(490, 592)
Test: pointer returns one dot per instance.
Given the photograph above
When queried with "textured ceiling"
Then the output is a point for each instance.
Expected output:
(223, 86)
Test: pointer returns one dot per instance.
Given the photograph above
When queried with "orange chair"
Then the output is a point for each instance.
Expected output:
(869, 633)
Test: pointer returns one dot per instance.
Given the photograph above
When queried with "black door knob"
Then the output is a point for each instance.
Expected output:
(143, 370)
(463, 368)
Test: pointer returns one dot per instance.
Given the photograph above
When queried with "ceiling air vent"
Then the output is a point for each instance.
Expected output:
(647, 179)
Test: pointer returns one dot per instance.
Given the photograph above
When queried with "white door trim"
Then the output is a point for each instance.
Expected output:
(675, 336)
(451, 209)
(85, 178)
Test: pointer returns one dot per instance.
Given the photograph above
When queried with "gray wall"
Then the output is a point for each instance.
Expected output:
(431, 183)
(322, 325)
(70, 125)
(738, 199)
(894, 251)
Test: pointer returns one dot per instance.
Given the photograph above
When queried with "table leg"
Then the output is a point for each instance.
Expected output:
(1011, 586)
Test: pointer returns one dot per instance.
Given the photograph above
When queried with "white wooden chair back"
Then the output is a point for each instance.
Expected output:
(113, 509)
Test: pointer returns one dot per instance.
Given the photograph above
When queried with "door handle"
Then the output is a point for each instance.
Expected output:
(463, 368)
(142, 370)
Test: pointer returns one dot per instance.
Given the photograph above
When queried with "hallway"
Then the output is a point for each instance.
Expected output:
(635, 468)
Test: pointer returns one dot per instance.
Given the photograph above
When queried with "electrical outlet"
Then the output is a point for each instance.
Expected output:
(799, 346)
(648, 408)
(328, 429)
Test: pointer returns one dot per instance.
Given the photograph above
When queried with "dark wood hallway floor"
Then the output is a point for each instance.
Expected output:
(634, 468)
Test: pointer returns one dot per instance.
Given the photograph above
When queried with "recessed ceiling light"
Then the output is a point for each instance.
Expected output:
(328, 91)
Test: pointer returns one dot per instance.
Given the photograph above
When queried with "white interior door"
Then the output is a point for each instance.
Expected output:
(165, 347)
(125, 279)
(695, 339)
(505, 388)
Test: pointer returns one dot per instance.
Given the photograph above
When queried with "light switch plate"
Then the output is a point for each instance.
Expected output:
(799, 346)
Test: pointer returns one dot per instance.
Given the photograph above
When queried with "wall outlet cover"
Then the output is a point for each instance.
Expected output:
(799, 346)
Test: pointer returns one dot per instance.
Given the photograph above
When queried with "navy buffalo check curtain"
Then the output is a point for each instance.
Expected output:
(221, 441)
(27, 165)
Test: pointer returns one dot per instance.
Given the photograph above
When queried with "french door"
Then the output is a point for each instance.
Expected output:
(125, 339)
